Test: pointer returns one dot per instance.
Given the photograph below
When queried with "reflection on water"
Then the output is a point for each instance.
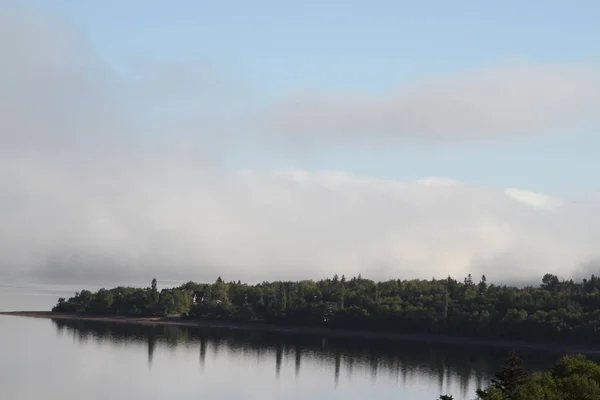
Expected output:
(65, 360)
(449, 367)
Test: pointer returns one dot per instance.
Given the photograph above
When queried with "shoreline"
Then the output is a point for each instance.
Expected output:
(316, 331)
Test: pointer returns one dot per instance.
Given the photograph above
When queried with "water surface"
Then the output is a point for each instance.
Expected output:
(41, 358)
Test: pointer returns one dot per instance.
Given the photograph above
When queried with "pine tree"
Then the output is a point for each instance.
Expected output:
(154, 297)
(469, 280)
(511, 376)
(483, 285)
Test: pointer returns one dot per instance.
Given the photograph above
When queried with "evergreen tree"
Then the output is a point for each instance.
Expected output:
(483, 285)
(469, 280)
(511, 376)
(154, 297)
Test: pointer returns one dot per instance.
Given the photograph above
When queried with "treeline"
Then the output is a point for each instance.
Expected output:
(561, 311)
(573, 378)
(129, 301)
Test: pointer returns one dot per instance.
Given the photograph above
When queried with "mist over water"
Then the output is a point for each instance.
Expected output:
(106, 176)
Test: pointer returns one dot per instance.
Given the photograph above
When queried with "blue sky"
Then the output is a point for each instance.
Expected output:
(274, 49)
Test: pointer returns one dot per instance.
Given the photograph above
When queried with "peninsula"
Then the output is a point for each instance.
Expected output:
(563, 313)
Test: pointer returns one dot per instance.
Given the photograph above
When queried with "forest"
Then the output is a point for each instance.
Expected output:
(572, 378)
(557, 310)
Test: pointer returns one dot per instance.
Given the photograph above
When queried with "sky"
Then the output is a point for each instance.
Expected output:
(270, 141)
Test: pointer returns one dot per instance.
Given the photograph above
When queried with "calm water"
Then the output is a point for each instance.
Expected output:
(87, 360)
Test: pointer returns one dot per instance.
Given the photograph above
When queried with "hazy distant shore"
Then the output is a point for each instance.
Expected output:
(340, 333)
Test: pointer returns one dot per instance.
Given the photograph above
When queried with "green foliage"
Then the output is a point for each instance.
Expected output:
(511, 376)
(572, 378)
(558, 311)
(154, 296)
(491, 393)
(129, 301)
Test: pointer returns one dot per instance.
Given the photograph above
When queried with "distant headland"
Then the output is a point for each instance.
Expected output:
(561, 313)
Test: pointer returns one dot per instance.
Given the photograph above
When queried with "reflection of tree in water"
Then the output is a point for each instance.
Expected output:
(444, 364)
(278, 358)
(151, 346)
(338, 364)
(59, 330)
(297, 360)
(203, 346)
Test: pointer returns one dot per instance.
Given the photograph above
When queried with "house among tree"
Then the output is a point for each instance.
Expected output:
(196, 296)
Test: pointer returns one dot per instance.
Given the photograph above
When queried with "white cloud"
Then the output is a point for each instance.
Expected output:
(266, 225)
(533, 199)
(84, 187)
(514, 100)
